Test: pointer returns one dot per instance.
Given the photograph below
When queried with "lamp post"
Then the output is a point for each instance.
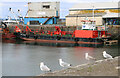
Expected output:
(93, 14)
(77, 22)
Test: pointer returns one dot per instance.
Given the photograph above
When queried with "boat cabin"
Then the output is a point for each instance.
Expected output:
(89, 30)
(88, 25)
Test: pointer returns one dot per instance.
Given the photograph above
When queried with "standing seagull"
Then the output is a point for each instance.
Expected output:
(117, 67)
(106, 55)
(87, 57)
(44, 67)
(63, 64)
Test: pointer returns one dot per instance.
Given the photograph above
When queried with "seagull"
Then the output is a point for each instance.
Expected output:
(64, 64)
(117, 67)
(44, 68)
(106, 55)
(88, 57)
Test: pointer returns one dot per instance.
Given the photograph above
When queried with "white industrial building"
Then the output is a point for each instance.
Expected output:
(104, 13)
(43, 9)
(42, 13)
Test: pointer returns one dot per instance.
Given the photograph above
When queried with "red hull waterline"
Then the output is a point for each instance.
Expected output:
(8, 36)
(58, 41)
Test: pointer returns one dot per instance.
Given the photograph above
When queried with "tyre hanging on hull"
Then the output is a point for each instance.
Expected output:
(36, 37)
(27, 36)
(3, 25)
(76, 40)
(58, 37)
(90, 39)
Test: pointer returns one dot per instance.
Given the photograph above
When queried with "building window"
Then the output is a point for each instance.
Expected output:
(34, 23)
(46, 6)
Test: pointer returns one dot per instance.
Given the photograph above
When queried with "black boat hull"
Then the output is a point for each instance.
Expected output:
(59, 39)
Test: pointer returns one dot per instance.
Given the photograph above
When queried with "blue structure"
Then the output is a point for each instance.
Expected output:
(40, 20)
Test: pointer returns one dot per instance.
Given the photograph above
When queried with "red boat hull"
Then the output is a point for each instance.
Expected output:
(8, 36)
(58, 41)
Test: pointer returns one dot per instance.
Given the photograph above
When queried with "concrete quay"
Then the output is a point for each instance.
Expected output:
(106, 67)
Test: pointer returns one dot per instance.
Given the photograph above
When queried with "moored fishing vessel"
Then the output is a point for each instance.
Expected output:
(9, 21)
(5, 33)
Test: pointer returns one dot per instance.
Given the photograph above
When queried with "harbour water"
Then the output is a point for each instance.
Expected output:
(23, 58)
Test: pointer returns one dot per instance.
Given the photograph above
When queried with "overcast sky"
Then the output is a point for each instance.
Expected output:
(22, 5)
(69, 1)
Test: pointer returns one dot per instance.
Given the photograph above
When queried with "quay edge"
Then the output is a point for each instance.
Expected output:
(98, 68)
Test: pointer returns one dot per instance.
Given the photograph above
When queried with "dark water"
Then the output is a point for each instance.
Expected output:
(23, 58)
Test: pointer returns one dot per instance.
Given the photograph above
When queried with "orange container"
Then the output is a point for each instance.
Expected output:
(86, 33)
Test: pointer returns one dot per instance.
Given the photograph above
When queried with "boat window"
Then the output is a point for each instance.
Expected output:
(83, 22)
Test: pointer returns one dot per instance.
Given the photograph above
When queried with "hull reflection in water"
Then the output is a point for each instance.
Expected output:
(12, 41)
(62, 44)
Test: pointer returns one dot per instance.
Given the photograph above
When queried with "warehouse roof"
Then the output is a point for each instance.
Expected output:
(99, 5)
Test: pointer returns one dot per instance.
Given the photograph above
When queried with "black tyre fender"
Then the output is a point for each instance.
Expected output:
(3, 25)
(58, 37)
(36, 36)
(27, 36)
(76, 39)
(89, 39)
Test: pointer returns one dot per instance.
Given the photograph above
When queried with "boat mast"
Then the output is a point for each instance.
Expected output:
(20, 16)
(13, 14)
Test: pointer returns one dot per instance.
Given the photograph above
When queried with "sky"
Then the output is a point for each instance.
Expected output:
(22, 5)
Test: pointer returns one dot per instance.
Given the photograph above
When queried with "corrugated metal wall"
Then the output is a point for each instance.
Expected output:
(42, 12)
(36, 9)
